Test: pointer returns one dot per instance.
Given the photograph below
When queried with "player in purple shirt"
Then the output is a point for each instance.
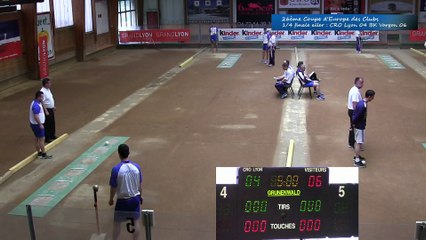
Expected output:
(359, 121)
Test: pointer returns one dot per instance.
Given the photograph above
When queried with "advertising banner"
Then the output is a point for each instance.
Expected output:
(418, 35)
(10, 40)
(44, 28)
(155, 36)
(213, 11)
(43, 56)
(371, 22)
(344, 6)
(255, 11)
(255, 35)
(391, 7)
(297, 4)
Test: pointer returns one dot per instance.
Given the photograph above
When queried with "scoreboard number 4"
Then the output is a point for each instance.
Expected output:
(223, 192)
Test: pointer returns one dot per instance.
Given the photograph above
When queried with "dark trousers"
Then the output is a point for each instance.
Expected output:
(351, 137)
(272, 56)
(49, 125)
(282, 87)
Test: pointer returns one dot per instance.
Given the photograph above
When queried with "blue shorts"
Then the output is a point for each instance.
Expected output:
(309, 84)
(38, 132)
(265, 47)
(213, 38)
(127, 208)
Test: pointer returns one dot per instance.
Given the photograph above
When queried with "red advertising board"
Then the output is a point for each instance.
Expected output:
(44, 56)
(10, 40)
(418, 35)
(155, 36)
(10, 50)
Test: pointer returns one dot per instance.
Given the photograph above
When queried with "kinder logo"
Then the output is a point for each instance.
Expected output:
(297, 33)
(369, 33)
(251, 33)
(343, 37)
(251, 38)
(320, 37)
(228, 33)
(226, 38)
(323, 33)
(365, 38)
(278, 33)
(339, 33)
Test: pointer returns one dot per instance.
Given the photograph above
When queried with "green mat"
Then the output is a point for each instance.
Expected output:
(391, 62)
(229, 60)
(52, 192)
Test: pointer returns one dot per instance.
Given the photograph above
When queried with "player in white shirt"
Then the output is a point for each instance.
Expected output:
(272, 44)
(265, 54)
(354, 96)
(50, 109)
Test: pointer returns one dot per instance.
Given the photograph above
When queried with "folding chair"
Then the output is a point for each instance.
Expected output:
(290, 88)
(302, 87)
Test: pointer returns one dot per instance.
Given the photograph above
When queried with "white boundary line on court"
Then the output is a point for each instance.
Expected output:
(292, 135)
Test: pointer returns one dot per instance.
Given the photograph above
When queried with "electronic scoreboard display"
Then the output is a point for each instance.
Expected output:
(14, 2)
(254, 203)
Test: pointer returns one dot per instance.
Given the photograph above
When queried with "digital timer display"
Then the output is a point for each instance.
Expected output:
(287, 203)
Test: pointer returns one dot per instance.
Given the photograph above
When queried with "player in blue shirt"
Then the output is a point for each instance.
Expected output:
(213, 37)
(37, 118)
(125, 182)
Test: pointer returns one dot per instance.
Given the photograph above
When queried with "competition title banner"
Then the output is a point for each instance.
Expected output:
(378, 22)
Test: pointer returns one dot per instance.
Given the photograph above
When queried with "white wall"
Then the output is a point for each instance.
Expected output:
(172, 12)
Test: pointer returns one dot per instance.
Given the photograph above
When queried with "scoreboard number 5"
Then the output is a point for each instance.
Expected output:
(341, 191)
(223, 192)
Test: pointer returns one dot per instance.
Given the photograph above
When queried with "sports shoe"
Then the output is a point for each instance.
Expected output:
(39, 154)
(359, 164)
(320, 98)
(361, 160)
(45, 156)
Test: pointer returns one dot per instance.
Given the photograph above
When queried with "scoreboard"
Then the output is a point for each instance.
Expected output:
(255, 203)
(14, 2)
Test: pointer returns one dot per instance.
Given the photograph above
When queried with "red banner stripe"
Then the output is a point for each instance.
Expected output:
(418, 35)
(155, 36)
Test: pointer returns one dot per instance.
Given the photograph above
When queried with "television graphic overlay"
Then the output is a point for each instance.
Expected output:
(260, 203)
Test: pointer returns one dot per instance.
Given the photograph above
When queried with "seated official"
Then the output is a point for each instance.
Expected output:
(284, 81)
(309, 80)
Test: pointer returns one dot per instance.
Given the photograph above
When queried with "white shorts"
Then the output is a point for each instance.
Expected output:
(359, 135)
